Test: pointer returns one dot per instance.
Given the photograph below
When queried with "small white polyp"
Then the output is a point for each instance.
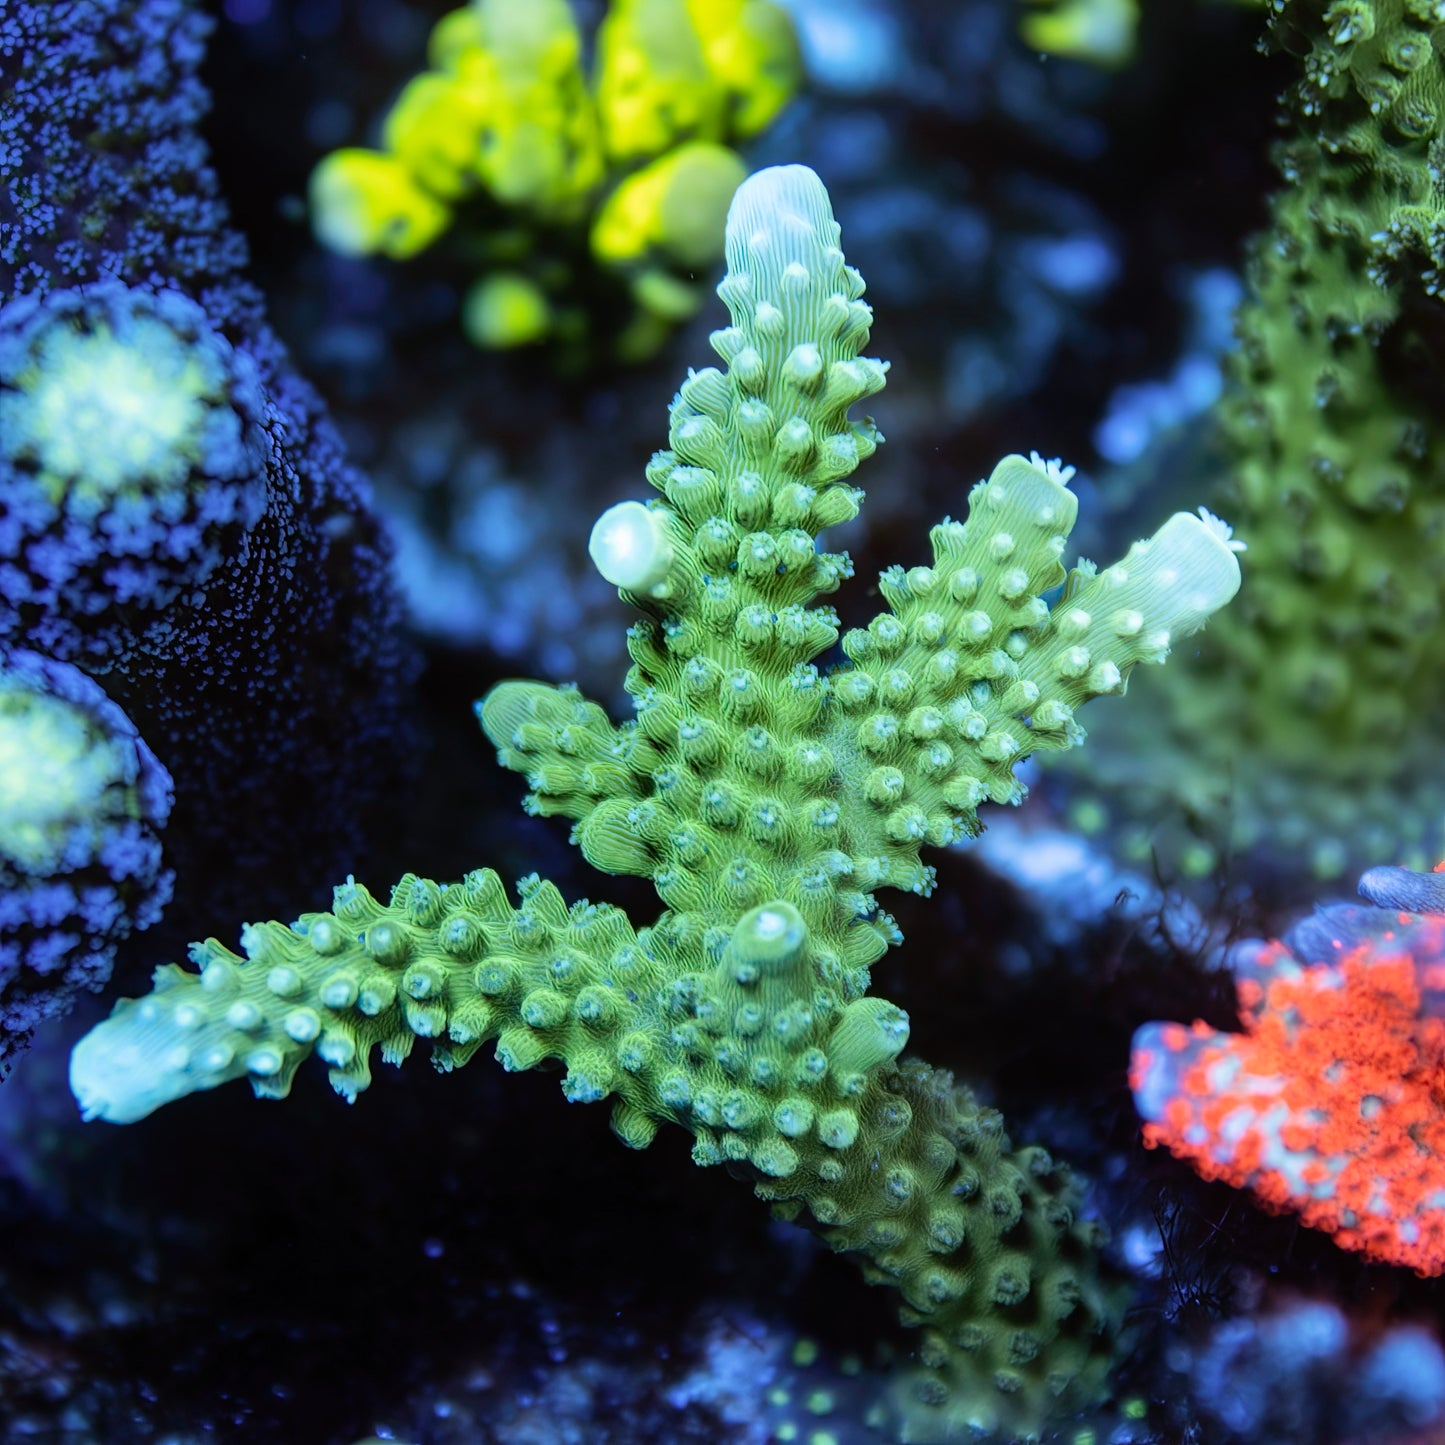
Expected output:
(629, 547)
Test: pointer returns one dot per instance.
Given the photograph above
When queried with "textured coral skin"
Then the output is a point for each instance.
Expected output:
(1328, 1103)
(282, 644)
(1304, 732)
(132, 463)
(766, 800)
(80, 852)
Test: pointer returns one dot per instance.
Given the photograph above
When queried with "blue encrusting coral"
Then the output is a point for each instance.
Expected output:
(179, 518)
(83, 801)
(132, 461)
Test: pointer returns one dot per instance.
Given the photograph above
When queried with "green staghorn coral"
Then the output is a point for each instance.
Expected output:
(766, 799)
(1304, 730)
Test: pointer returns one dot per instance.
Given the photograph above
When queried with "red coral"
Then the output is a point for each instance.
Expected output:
(1329, 1103)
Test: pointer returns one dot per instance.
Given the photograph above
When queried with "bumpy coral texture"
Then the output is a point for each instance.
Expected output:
(1304, 732)
(214, 564)
(1328, 1103)
(82, 804)
(766, 800)
(132, 462)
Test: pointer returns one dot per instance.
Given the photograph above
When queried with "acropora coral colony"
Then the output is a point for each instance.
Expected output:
(1302, 733)
(767, 800)
(505, 138)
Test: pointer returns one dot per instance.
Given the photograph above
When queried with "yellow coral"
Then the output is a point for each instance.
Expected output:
(539, 145)
(453, 35)
(751, 51)
(435, 130)
(506, 111)
(676, 205)
(1101, 32)
(653, 85)
(506, 309)
(674, 70)
(363, 202)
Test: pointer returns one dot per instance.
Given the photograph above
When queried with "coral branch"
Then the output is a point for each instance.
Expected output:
(766, 799)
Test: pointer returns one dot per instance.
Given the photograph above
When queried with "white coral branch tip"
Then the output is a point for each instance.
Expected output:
(1191, 568)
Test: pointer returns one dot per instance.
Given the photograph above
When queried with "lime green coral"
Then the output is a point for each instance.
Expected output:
(506, 137)
(1102, 32)
(767, 800)
(696, 70)
(1306, 729)
(505, 111)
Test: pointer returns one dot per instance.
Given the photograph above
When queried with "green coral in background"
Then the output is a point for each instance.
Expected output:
(767, 800)
(545, 172)
(1101, 32)
(1306, 728)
